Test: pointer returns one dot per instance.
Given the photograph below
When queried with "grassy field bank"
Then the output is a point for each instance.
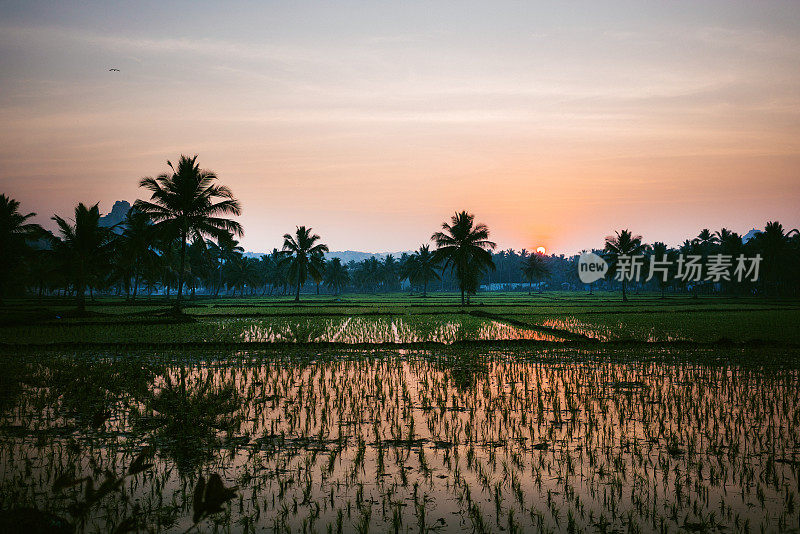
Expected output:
(404, 319)
(393, 413)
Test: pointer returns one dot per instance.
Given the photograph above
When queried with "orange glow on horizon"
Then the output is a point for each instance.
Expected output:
(374, 127)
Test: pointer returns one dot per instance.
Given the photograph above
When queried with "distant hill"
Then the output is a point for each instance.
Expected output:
(750, 235)
(121, 208)
(345, 256)
(117, 214)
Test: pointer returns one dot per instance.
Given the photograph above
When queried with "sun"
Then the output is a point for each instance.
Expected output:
(540, 250)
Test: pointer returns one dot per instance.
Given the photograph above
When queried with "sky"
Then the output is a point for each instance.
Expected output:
(555, 123)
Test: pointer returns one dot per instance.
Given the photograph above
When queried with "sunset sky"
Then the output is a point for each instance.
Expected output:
(554, 122)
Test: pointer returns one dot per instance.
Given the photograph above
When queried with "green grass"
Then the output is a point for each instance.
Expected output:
(701, 326)
(646, 318)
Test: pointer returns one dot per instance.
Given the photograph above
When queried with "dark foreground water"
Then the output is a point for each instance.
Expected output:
(640, 440)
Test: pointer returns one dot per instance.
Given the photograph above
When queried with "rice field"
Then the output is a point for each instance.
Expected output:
(343, 329)
(371, 419)
(553, 441)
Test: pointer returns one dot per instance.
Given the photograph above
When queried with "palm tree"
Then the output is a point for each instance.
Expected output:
(730, 242)
(303, 257)
(223, 251)
(706, 238)
(390, 273)
(774, 244)
(464, 247)
(336, 275)
(534, 266)
(367, 274)
(135, 247)
(186, 204)
(420, 268)
(15, 232)
(241, 272)
(660, 252)
(199, 264)
(274, 271)
(623, 244)
(84, 247)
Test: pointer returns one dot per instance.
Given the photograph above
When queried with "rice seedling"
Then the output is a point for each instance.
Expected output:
(376, 440)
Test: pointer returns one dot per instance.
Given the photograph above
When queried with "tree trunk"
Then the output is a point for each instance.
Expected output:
(180, 273)
(135, 285)
(462, 296)
(624, 296)
(425, 288)
(81, 297)
(297, 295)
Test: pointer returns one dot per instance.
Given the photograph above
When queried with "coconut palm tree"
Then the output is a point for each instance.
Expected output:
(660, 252)
(623, 244)
(15, 232)
(274, 272)
(730, 242)
(336, 275)
(420, 268)
(84, 247)
(188, 204)
(241, 272)
(135, 247)
(222, 252)
(390, 274)
(303, 256)
(464, 247)
(706, 238)
(534, 266)
(774, 244)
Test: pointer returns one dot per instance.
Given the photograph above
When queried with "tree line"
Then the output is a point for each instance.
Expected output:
(182, 239)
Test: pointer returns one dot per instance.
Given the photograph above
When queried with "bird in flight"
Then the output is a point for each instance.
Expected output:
(113, 70)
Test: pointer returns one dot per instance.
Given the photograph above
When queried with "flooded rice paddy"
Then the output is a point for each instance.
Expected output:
(357, 330)
(536, 440)
(337, 329)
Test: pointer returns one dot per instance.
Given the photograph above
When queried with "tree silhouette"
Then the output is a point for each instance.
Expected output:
(241, 272)
(15, 232)
(274, 272)
(464, 247)
(622, 244)
(661, 252)
(390, 274)
(186, 203)
(85, 248)
(706, 238)
(420, 268)
(303, 257)
(775, 245)
(534, 267)
(134, 247)
(222, 252)
(336, 275)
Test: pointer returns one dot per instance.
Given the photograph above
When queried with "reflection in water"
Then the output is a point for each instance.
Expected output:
(604, 332)
(421, 442)
(354, 330)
